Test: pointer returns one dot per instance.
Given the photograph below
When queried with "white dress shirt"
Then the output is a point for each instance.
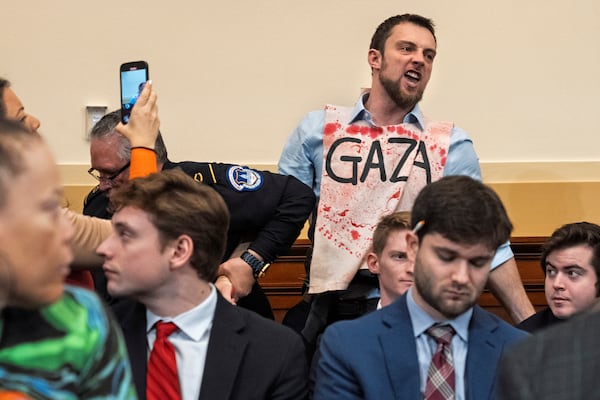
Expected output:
(190, 342)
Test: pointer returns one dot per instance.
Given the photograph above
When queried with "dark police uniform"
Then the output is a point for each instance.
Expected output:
(267, 209)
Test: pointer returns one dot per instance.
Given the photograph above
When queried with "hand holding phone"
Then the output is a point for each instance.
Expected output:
(144, 121)
(134, 76)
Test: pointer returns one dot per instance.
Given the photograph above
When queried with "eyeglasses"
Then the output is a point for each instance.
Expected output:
(100, 176)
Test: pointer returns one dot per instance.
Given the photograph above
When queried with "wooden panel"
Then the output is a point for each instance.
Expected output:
(283, 282)
(528, 251)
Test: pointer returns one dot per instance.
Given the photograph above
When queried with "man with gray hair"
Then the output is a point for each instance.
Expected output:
(268, 210)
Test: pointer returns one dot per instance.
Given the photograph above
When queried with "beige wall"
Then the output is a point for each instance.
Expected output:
(235, 77)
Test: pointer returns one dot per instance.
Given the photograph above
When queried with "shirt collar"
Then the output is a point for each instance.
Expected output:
(421, 321)
(194, 322)
(360, 113)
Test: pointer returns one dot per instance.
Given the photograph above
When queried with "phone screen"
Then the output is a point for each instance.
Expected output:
(134, 76)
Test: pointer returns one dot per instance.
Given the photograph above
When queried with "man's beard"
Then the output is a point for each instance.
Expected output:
(425, 286)
(402, 100)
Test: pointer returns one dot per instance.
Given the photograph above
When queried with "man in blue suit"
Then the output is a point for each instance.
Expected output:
(459, 222)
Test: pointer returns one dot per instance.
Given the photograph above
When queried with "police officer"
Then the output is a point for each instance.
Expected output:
(267, 210)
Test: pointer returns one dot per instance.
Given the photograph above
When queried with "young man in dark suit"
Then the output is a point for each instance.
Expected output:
(570, 275)
(434, 340)
(169, 235)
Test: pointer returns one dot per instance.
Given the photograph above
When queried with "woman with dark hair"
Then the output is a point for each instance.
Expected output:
(56, 341)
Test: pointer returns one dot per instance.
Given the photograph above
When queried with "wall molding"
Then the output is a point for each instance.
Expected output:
(539, 197)
(493, 172)
(542, 171)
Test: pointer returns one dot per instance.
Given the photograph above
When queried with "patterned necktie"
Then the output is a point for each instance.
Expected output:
(162, 381)
(440, 376)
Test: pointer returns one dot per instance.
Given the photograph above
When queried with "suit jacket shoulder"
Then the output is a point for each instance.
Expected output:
(366, 357)
(561, 362)
(538, 321)
(502, 331)
(251, 357)
(489, 337)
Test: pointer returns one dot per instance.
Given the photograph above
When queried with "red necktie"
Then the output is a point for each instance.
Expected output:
(440, 376)
(162, 381)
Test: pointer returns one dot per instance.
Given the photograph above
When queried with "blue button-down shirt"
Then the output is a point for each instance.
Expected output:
(426, 345)
(302, 155)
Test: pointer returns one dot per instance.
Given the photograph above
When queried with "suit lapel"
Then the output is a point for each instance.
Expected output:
(226, 348)
(482, 356)
(399, 350)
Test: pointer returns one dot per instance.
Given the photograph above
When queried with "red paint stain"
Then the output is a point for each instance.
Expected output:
(364, 130)
(376, 131)
(391, 128)
(343, 213)
(353, 129)
(402, 131)
(355, 235)
(331, 127)
(442, 152)
(443, 162)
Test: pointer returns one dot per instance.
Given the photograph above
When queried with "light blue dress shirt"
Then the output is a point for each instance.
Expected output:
(302, 155)
(426, 345)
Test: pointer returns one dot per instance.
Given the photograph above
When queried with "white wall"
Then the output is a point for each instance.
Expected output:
(235, 77)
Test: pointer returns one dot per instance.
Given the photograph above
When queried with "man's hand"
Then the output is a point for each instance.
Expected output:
(225, 287)
(144, 123)
(240, 274)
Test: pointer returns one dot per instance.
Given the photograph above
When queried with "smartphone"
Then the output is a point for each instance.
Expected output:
(134, 76)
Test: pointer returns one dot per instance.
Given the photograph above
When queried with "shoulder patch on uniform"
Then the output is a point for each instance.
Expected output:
(244, 179)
